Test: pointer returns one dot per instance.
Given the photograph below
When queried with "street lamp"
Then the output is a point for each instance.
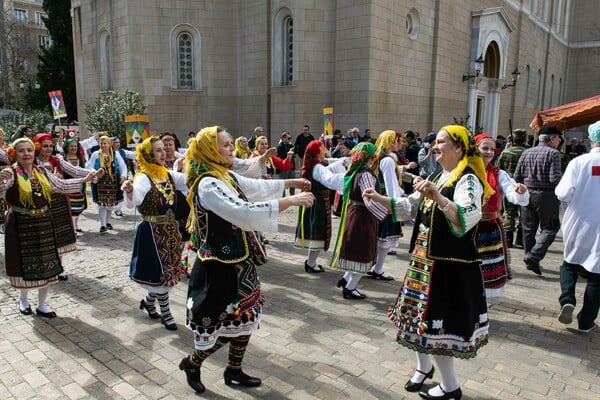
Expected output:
(515, 77)
(478, 65)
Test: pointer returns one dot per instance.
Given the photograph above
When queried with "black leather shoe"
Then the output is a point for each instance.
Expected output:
(103, 229)
(237, 375)
(533, 266)
(411, 386)
(64, 277)
(381, 276)
(151, 314)
(342, 282)
(352, 294)
(26, 311)
(170, 326)
(311, 270)
(50, 314)
(192, 373)
(455, 394)
(109, 227)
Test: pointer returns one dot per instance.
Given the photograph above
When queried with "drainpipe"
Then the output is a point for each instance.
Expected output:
(269, 68)
(546, 59)
(434, 63)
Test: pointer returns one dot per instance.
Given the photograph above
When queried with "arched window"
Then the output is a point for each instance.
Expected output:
(526, 86)
(105, 55)
(538, 86)
(283, 48)
(491, 67)
(185, 58)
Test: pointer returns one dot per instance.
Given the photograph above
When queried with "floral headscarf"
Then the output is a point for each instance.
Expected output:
(313, 149)
(385, 142)
(471, 158)
(362, 155)
(146, 161)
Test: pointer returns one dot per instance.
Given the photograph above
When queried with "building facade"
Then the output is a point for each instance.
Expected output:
(381, 64)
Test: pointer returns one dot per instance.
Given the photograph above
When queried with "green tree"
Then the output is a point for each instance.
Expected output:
(56, 70)
(108, 112)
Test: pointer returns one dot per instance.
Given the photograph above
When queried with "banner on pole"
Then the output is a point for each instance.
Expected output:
(328, 120)
(137, 128)
(58, 104)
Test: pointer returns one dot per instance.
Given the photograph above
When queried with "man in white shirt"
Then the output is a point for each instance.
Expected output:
(580, 188)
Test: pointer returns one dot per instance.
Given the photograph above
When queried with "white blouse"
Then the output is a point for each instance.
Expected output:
(142, 185)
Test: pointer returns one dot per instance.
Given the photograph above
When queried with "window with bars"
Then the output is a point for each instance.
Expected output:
(185, 63)
(44, 41)
(39, 18)
(289, 51)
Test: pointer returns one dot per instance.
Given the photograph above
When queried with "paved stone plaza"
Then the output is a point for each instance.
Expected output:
(313, 344)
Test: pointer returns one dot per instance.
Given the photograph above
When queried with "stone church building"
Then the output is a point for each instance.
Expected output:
(381, 64)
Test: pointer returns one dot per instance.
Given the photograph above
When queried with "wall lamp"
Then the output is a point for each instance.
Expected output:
(515, 77)
(478, 64)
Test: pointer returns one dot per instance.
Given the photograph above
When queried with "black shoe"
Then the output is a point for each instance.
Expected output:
(533, 266)
(455, 394)
(310, 269)
(26, 311)
(79, 230)
(381, 276)
(103, 229)
(172, 326)
(352, 294)
(392, 253)
(192, 373)
(151, 314)
(509, 239)
(50, 314)
(342, 282)
(109, 227)
(237, 375)
(118, 213)
(411, 386)
(64, 277)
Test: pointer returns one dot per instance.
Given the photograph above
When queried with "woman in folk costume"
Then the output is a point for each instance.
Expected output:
(313, 231)
(441, 310)
(242, 149)
(107, 191)
(271, 163)
(491, 237)
(31, 253)
(60, 209)
(356, 243)
(224, 302)
(156, 260)
(389, 230)
(74, 154)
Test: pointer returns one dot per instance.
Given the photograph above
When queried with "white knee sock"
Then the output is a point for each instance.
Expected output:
(62, 273)
(353, 280)
(381, 254)
(102, 215)
(23, 303)
(424, 364)
(312, 257)
(42, 297)
(75, 219)
(448, 381)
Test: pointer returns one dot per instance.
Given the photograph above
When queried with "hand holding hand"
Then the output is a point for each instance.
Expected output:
(520, 188)
(90, 177)
(412, 165)
(127, 186)
(100, 173)
(372, 194)
(303, 199)
(272, 152)
(6, 174)
(428, 189)
(301, 183)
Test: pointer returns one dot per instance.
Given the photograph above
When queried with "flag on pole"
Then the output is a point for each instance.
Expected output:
(328, 120)
(137, 128)
(58, 104)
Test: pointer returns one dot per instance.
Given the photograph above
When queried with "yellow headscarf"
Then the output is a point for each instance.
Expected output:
(111, 156)
(147, 162)
(471, 158)
(203, 158)
(23, 181)
(384, 143)
(239, 150)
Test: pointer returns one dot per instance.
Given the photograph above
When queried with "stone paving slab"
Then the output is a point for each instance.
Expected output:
(313, 344)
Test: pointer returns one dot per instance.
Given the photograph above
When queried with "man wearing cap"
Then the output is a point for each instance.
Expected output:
(507, 161)
(539, 169)
(580, 189)
(427, 163)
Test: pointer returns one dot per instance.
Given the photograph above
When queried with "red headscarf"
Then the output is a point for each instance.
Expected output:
(43, 136)
(313, 149)
(494, 203)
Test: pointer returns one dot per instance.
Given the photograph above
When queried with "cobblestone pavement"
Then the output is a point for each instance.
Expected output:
(313, 344)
